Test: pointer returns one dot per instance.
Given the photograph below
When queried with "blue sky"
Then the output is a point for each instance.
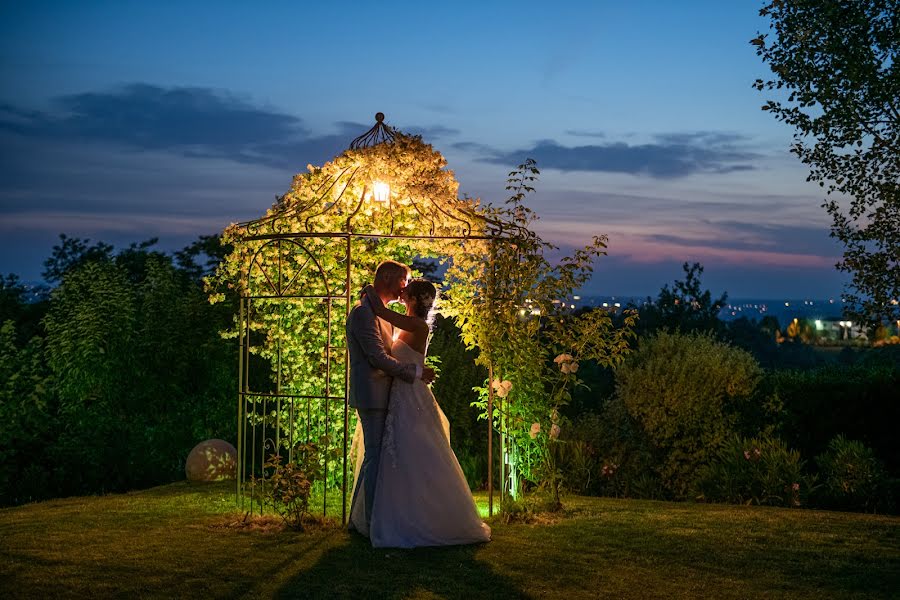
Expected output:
(121, 121)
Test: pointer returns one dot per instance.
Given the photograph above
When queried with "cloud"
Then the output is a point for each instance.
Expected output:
(188, 121)
(738, 229)
(667, 156)
(473, 147)
(742, 236)
(580, 133)
(193, 122)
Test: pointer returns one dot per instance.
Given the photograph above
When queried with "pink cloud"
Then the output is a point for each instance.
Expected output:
(643, 251)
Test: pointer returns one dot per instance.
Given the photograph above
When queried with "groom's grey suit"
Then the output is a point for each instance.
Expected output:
(372, 369)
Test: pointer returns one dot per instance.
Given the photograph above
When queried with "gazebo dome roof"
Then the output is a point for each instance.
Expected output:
(340, 197)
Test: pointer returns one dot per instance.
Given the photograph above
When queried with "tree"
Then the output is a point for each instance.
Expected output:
(686, 306)
(836, 61)
(71, 253)
(209, 246)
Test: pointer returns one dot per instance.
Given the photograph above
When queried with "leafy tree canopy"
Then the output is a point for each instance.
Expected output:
(837, 76)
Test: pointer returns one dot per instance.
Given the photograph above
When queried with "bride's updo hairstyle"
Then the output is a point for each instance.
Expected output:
(425, 294)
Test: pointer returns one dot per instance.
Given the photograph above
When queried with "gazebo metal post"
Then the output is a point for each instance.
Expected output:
(347, 256)
(240, 407)
(327, 397)
(490, 421)
(503, 451)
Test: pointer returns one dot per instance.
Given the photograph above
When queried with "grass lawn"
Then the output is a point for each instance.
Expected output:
(172, 541)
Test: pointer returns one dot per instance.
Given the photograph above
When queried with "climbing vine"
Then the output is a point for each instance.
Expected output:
(498, 284)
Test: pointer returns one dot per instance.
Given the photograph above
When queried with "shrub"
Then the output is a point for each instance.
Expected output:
(853, 478)
(856, 400)
(688, 394)
(580, 466)
(27, 418)
(122, 376)
(289, 484)
(607, 455)
(760, 471)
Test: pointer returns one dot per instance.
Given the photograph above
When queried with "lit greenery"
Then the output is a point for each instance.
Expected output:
(688, 394)
(289, 483)
(522, 323)
(108, 383)
(488, 282)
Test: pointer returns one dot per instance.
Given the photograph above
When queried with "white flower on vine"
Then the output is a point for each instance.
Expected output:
(535, 429)
(563, 358)
(501, 388)
(571, 367)
(554, 431)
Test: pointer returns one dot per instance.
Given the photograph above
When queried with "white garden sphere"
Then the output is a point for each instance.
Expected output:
(212, 460)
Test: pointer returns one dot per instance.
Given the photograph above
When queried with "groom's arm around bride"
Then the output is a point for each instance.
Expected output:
(365, 328)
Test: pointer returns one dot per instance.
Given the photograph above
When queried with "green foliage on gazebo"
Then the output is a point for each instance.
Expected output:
(299, 270)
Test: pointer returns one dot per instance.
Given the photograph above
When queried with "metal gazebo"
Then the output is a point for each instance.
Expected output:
(285, 273)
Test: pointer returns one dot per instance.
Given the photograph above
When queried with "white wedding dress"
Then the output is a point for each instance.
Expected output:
(421, 498)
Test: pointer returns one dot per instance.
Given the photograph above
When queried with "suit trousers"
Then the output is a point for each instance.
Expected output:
(372, 420)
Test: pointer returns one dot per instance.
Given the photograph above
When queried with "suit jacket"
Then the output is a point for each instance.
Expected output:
(372, 368)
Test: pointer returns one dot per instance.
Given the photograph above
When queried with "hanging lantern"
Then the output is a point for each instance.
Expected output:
(381, 192)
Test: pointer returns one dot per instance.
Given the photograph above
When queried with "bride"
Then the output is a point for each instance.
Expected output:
(421, 496)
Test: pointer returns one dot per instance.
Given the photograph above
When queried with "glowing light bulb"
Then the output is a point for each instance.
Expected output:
(381, 191)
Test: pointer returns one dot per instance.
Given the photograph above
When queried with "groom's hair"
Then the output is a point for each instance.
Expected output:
(391, 270)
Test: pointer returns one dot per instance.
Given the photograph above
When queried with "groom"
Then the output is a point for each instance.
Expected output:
(372, 368)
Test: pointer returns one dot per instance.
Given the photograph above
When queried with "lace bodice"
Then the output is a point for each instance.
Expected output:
(405, 354)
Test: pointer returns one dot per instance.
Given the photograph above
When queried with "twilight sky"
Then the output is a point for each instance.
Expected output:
(121, 121)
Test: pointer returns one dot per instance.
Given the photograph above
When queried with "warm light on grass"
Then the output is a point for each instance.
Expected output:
(481, 501)
(189, 540)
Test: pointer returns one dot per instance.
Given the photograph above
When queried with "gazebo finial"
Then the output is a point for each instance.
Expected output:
(378, 134)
